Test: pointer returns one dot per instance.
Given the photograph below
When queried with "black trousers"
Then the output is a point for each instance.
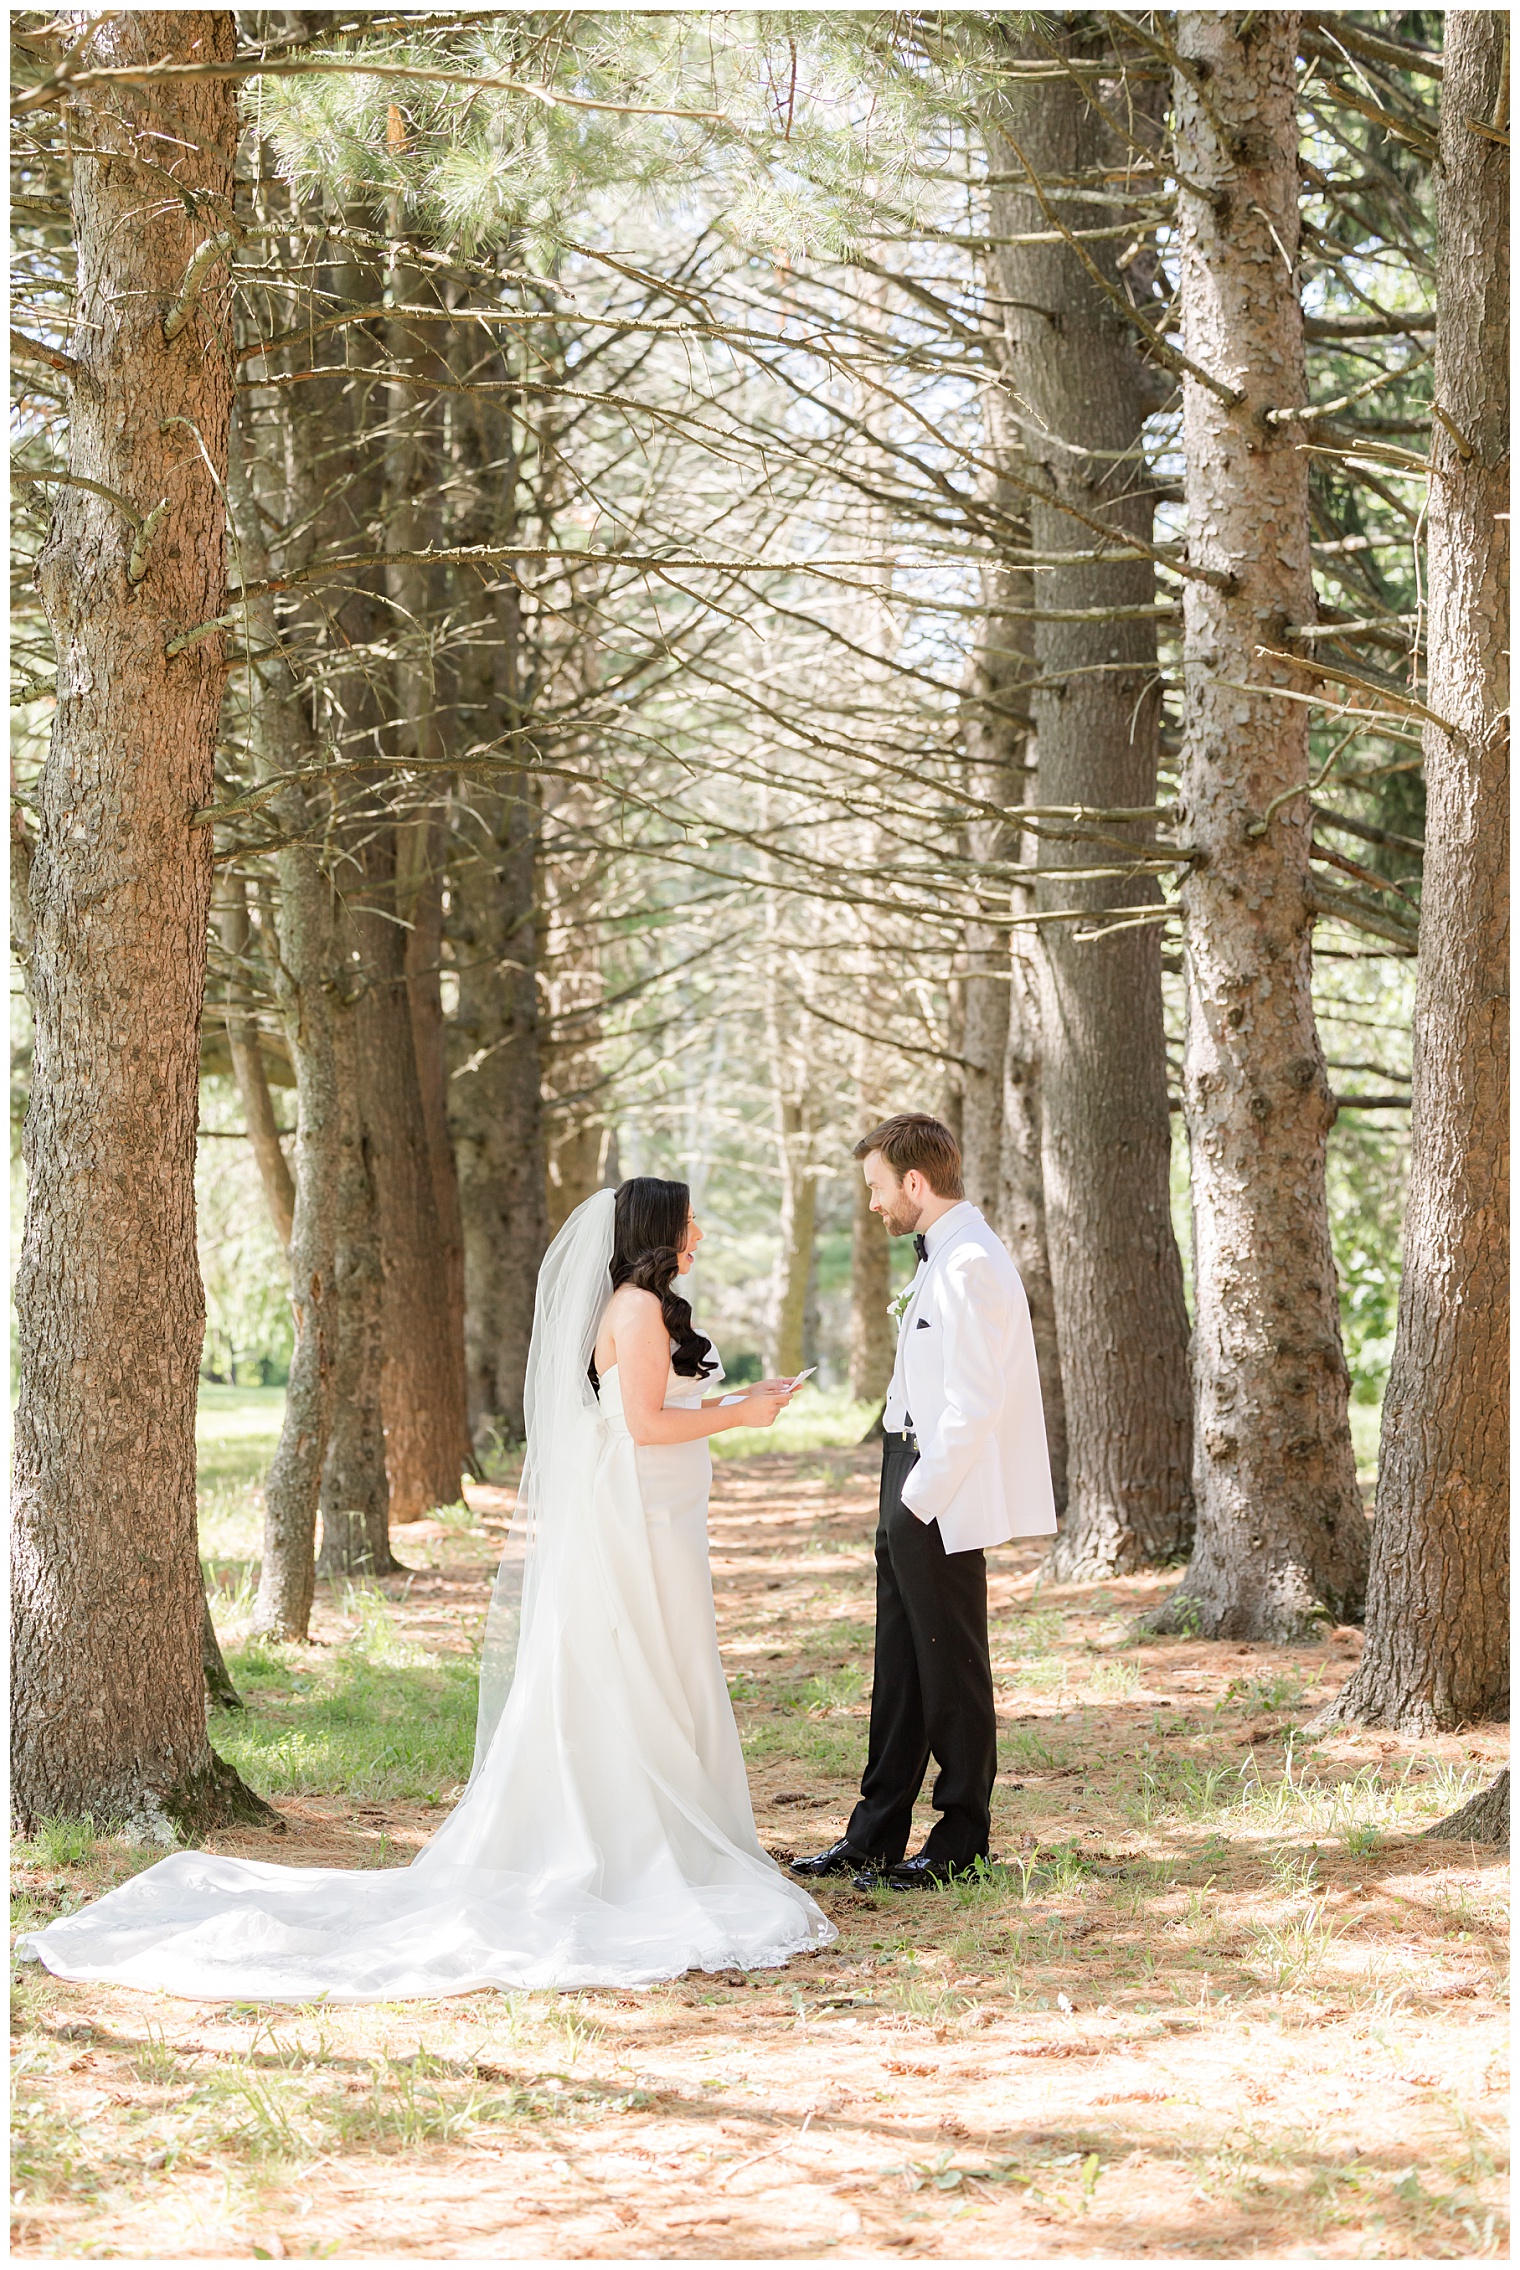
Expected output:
(932, 1690)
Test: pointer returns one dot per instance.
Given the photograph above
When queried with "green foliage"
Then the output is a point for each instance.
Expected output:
(56, 1844)
(781, 137)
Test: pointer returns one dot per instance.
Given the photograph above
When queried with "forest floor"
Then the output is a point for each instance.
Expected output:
(1217, 2000)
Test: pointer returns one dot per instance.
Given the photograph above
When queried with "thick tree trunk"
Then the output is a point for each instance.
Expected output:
(308, 988)
(110, 1714)
(420, 1387)
(495, 1108)
(355, 1483)
(493, 928)
(1282, 1540)
(248, 1064)
(1075, 380)
(1484, 1819)
(1437, 1651)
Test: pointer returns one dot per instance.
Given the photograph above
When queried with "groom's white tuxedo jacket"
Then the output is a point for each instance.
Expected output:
(967, 1382)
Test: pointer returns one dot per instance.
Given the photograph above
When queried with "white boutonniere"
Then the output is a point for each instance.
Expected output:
(898, 1309)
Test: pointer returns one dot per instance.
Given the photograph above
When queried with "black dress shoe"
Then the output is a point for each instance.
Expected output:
(922, 1874)
(841, 1859)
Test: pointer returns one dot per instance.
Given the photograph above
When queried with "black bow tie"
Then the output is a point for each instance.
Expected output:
(920, 1245)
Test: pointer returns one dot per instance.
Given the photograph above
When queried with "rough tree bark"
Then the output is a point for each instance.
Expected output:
(495, 1042)
(495, 1108)
(1001, 1128)
(1437, 1651)
(110, 1712)
(355, 1484)
(248, 1064)
(1282, 1539)
(420, 1391)
(323, 1398)
(1080, 393)
(1484, 1819)
(422, 1388)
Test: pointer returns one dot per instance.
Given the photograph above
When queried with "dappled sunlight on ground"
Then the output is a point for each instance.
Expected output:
(1216, 1999)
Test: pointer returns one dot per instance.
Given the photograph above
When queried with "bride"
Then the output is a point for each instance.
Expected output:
(606, 1836)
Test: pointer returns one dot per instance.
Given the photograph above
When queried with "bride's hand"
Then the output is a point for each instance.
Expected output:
(769, 1387)
(763, 1405)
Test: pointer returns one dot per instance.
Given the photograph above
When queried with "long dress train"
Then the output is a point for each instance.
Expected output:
(606, 1837)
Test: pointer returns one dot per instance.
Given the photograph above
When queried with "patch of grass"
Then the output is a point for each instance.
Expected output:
(819, 1747)
(1035, 1632)
(829, 1691)
(1043, 1677)
(1025, 1746)
(52, 2156)
(921, 1994)
(1115, 1680)
(1294, 1953)
(1269, 1690)
(1361, 1838)
(1294, 1872)
(1181, 1789)
(379, 1717)
(56, 1844)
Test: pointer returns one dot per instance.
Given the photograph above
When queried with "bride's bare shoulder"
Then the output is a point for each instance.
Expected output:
(631, 1318)
(631, 1303)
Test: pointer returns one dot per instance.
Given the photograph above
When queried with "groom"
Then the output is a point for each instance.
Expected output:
(964, 1466)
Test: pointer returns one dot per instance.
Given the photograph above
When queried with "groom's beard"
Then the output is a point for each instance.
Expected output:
(901, 1221)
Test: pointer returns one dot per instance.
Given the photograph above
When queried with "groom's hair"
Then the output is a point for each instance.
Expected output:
(912, 1139)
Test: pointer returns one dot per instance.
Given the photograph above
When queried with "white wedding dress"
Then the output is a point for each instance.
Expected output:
(606, 1837)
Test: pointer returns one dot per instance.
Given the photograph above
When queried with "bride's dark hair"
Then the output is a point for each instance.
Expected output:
(648, 1232)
